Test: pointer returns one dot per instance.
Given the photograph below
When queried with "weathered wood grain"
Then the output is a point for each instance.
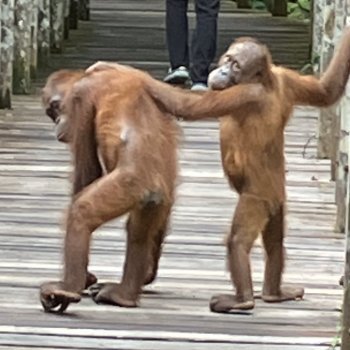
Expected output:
(134, 33)
(174, 312)
(35, 189)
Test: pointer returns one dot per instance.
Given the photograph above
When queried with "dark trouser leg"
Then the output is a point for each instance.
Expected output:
(204, 38)
(177, 32)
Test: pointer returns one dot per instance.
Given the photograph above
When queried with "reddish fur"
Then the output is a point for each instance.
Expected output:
(254, 115)
(111, 113)
(252, 142)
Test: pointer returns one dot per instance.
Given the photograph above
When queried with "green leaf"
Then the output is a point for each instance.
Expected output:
(258, 5)
(299, 13)
(291, 6)
(305, 5)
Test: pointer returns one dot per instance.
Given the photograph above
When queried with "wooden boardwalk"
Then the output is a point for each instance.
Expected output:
(174, 312)
(133, 33)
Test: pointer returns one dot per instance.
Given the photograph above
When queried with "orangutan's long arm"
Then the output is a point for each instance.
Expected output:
(308, 90)
(212, 104)
(236, 100)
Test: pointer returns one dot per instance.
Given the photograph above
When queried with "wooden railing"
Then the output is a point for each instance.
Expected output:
(329, 20)
(30, 31)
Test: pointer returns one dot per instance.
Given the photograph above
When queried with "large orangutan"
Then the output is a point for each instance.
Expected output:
(252, 149)
(110, 123)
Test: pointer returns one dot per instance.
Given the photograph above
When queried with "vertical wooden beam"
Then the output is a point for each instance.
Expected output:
(66, 19)
(243, 4)
(74, 14)
(57, 12)
(43, 32)
(327, 115)
(22, 47)
(341, 127)
(7, 42)
(84, 10)
(345, 341)
(342, 164)
(0, 31)
(279, 8)
(34, 39)
(317, 34)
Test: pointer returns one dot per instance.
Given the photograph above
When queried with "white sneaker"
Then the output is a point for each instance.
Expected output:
(199, 87)
(179, 75)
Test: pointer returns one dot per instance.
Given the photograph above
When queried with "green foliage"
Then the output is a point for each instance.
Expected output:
(305, 5)
(258, 5)
(300, 9)
(297, 9)
(291, 7)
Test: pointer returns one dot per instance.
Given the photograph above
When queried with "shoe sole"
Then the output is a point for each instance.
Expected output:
(176, 79)
(199, 90)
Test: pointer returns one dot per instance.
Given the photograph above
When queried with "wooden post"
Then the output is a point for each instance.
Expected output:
(84, 10)
(0, 31)
(73, 14)
(57, 25)
(343, 164)
(66, 19)
(22, 47)
(34, 39)
(43, 32)
(7, 41)
(341, 128)
(317, 34)
(345, 341)
(279, 8)
(243, 4)
(327, 115)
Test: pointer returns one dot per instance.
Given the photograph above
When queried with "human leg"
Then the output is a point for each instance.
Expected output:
(204, 39)
(177, 41)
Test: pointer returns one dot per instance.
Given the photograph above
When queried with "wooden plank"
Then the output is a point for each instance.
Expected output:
(174, 312)
(166, 335)
(144, 345)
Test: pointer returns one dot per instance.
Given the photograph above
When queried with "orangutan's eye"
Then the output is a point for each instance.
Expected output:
(227, 59)
(235, 65)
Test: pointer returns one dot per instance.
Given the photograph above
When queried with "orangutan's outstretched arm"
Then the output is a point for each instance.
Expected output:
(211, 104)
(308, 90)
(193, 106)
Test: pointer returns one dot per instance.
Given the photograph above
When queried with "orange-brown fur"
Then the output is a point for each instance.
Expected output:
(255, 103)
(110, 119)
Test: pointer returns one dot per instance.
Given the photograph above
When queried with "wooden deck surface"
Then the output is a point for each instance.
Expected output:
(174, 312)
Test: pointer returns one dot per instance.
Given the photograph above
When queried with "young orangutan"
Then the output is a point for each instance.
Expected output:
(252, 149)
(110, 122)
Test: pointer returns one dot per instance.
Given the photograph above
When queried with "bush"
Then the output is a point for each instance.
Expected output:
(301, 9)
(298, 9)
